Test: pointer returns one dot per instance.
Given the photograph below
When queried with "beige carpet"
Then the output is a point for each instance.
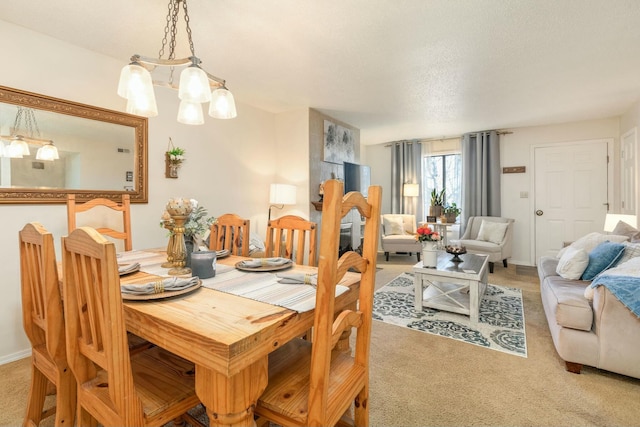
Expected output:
(419, 379)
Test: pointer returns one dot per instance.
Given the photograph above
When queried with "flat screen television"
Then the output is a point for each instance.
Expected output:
(356, 178)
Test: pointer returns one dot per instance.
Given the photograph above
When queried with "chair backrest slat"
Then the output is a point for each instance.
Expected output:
(286, 237)
(73, 208)
(230, 232)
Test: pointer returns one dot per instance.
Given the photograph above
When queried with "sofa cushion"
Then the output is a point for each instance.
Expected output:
(631, 250)
(603, 257)
(572, 264)
(547, 266)
(479, 246)
(401, 239)
(491, 231)
(572, 309)
(591, 240)
(393, 225)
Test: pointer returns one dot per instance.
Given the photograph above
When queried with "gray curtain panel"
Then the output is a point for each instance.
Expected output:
(480, 175)
(406, 168)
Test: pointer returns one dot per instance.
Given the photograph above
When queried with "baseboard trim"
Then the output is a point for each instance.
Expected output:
(15, 356)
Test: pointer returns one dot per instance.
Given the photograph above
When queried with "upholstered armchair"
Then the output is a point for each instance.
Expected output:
(398, 234)
(489, 235)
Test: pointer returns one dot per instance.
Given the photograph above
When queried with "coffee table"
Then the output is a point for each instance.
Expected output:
(452, 286)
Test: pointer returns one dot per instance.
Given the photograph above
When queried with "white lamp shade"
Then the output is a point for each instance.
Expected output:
(223, 105)
(17, 149)
(282, 194)
(143, 106)
(190, 113)
(411, 190)
(611, 220)
(135, 80)
(194, 85)
(47, 152)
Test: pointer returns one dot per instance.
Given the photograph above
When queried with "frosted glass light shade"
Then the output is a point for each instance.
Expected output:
(194, 85)
(17, 149)
(135, 80)
(282, 194)
(190, 113)
(47, 152)
(143, 105)
(223, 105)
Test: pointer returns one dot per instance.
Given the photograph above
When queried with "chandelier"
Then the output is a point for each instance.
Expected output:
(23, 134)
(195, 87)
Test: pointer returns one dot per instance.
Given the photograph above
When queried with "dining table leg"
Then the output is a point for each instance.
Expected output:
(230, 400)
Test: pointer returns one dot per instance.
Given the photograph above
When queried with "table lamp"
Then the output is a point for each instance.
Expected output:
(611, 220)
(411, 190)
(280, 195)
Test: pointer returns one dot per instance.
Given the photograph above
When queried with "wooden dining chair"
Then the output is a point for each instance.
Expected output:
(43, 321)
(73, 208)
(286, 238)
(115, 388)
(316, 384)
(230, 232)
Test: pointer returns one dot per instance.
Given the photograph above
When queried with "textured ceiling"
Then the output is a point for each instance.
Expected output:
(396, 69)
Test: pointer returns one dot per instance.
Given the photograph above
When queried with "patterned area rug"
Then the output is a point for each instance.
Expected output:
(501, 325)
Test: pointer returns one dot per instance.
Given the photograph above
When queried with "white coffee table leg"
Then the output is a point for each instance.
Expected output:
(474, 301)
(417, 280)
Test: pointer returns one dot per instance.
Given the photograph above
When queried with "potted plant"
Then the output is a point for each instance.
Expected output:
(437, 200)
(451, 212)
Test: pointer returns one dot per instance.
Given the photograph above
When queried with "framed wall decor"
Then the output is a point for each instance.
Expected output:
(339, 144)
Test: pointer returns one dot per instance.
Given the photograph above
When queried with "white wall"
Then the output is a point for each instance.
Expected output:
(229, 166)
(515, 150)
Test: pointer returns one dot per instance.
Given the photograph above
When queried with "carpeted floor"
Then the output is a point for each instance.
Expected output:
(500, 327)
(424, 380)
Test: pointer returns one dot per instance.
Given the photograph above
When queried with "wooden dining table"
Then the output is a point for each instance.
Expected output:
(227, 337)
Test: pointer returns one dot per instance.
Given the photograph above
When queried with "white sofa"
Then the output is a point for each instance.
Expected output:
(398, 234)
(602, 333)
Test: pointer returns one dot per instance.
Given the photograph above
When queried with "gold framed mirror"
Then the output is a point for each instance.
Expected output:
(102, 153)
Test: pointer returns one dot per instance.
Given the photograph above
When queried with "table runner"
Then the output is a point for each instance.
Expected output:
(259, 286)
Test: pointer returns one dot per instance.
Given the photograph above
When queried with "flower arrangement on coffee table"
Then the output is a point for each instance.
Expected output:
(427, 234)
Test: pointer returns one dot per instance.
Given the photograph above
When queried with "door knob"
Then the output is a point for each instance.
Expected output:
(539, 212)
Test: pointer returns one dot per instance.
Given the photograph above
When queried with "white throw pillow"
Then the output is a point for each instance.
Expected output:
(491, 231)
(393, 225)
(591, 240)
(573, 263)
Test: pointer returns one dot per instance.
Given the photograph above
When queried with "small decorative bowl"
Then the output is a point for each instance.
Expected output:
(455, 251)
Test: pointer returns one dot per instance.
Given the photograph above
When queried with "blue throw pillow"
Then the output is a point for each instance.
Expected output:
(601, 258)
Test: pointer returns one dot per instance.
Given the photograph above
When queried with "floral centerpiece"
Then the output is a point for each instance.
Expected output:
(426, 234)
(196, 226)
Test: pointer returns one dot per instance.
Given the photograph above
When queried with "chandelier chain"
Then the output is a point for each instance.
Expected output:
(170, 29)
(186, 20)
(29, 122)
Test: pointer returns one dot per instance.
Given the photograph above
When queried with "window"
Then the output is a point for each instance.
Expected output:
(442, 171)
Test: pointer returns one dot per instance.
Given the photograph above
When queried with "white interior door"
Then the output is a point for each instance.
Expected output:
(628, 173)
(570, 193)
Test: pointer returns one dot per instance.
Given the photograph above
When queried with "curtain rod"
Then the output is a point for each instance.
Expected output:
(444, 138)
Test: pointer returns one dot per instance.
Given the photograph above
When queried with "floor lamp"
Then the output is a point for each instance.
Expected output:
(280, 195)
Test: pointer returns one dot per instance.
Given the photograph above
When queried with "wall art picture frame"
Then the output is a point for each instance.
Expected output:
(339, 144)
